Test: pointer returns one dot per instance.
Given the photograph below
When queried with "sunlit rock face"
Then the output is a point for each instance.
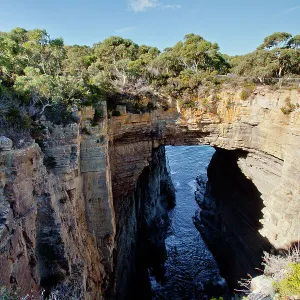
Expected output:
(257, 126)
(57, 220)
(77, 195)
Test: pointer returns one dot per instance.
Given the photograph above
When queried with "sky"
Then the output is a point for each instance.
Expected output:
(238, 26)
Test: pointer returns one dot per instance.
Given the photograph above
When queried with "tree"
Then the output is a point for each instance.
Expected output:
(43, 52)
(276, 40)
(78, 59)
(278, 56)
(113, 56)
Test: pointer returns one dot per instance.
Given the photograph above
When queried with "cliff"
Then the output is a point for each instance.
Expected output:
(268, 137)
(57, 220)
(69, 213)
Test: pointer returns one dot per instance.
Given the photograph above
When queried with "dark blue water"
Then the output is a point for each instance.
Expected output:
(190, 269)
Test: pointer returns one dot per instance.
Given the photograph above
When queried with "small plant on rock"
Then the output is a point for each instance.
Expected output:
(289, 286)
(289, 106)
(245, 94)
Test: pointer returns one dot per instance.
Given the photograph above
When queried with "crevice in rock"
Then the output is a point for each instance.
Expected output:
(50, 252)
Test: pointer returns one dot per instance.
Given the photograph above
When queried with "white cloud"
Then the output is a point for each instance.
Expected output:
(171, 6)
(290, 10)
(142, 5)
(125, 29)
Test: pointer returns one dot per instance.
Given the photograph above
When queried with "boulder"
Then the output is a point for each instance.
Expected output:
(5, 143)
(262, 286)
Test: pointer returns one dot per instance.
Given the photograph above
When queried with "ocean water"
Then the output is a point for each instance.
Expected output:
(190, 269)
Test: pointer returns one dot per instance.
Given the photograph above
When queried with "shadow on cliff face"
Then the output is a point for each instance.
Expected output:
(157, 193)
(53, 266)
(229, 219)
(153, 197)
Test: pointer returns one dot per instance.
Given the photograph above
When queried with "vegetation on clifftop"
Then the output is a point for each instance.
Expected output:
(40, 75)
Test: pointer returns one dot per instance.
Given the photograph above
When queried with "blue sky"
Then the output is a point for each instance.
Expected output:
(238, 26)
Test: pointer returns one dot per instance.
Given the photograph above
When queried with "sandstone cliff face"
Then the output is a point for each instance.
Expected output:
(57, 225)
(75, 221)
(269, 142)
(269, 138)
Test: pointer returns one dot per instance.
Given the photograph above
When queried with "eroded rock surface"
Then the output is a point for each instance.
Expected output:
(257, 126)
(57, 221)
(66, 213)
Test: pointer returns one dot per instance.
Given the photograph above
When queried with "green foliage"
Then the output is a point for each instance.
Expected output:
(98, 115)
(230, 104)
(290, 285)
(245, 94)
(40, 76)
(6, 294)
(277, 39)
(278, 56)
(150, 106)
(116, 113)
(289, 106)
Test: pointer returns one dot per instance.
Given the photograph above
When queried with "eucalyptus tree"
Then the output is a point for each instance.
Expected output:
(112, 58)
(285, 52)
(78, 59)
(277, 56)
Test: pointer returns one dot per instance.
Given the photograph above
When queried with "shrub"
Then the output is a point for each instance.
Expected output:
(150, 106)
(97, 117)
(289, 106)
(229, 104)
(116, 113)
(165, 107)
(68, 290)
(245, 94)
(289, 286)
(6, 294)
(85, 131)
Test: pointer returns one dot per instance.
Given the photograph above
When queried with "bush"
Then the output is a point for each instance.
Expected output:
(150, 106)
(97, 117)
(116, 113)
(245, 94)
(229, 104)
(60, 114)
(289, 106)
(6, 294)
(290, 285)
(285, 272)
(71, 291)
(85, 131)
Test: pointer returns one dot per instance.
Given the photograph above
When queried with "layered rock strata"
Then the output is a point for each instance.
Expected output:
(57, 225)
(257, 126)
(67, 212)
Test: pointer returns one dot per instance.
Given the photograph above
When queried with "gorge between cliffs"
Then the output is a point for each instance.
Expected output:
(88, 206)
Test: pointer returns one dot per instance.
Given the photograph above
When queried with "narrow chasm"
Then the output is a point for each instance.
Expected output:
(173, 261)
(154, 196)
(201, 247)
